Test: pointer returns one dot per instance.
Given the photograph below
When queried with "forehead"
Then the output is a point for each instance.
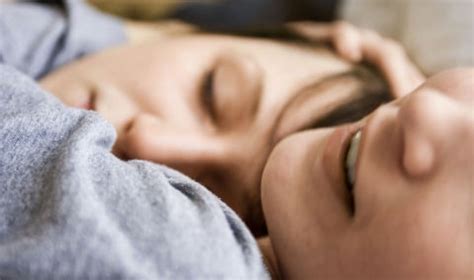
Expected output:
(287, 66)
(288, 61)
(278, 52)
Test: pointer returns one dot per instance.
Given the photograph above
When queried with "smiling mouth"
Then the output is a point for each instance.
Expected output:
(338, 164)
(351, 159)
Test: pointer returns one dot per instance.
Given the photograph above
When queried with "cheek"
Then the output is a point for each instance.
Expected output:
(279, 186)
(67, 84)
(414, 241)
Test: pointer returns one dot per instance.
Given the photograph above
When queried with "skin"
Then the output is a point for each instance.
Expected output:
(130, 86)
(154, 94)
(413, 213)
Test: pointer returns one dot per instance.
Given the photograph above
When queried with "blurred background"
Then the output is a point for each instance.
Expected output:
(437, 34)
(223, 14)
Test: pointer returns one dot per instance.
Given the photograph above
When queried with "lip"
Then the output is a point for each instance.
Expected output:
(88, 103)
(334, 153)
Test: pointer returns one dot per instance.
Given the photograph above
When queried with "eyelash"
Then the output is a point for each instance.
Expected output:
(207, 95)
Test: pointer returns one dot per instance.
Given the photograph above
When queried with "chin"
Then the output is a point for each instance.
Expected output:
(285, 175)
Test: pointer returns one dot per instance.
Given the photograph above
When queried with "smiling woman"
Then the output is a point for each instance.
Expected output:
(407, 211)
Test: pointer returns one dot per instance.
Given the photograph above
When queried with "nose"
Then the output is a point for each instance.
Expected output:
(183, 148)
(228, 166)
(425, 118)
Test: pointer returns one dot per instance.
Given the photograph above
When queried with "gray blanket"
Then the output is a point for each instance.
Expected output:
(69, 209)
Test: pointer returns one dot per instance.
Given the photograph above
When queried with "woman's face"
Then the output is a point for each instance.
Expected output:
(410, 212)
(206, 105)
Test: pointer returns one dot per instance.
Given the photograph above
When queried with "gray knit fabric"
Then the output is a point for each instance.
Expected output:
(69, 209)
(37, 38)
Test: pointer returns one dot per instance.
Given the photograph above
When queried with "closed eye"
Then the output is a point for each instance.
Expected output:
(207, 94)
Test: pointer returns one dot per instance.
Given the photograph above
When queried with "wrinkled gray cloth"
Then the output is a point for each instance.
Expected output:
(37, 38)
(69, 209)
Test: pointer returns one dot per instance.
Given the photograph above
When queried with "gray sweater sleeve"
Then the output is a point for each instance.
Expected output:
(69, 209)
(37, 38)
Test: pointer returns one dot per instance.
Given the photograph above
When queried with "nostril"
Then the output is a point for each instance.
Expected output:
(128, 125)
(120, 148)
(136, 137)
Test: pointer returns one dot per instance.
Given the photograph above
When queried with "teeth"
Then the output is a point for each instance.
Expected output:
(351, 157)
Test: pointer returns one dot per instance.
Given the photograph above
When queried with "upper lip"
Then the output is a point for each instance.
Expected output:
(90, 103)
(334, 159)
(87, 103)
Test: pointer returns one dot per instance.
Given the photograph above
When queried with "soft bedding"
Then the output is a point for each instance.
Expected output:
(69, 209)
